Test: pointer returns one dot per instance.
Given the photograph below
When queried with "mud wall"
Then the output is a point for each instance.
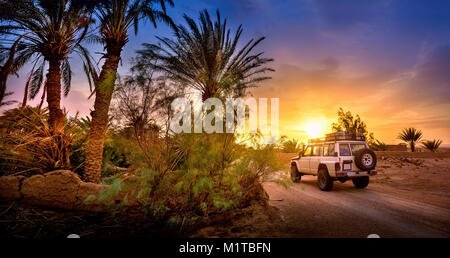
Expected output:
(58, 189)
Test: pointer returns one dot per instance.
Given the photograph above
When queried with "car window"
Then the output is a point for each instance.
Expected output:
(344, 150)
(316, 150)
(325, 150)
(357, 146)
(307, 151)
(331, 150)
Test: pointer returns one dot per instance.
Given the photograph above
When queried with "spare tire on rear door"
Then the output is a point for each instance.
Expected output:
(365, 159)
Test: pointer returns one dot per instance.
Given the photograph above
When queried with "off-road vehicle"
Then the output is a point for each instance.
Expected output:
(337, 157)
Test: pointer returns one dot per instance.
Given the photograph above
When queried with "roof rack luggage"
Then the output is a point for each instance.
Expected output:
(339, 136)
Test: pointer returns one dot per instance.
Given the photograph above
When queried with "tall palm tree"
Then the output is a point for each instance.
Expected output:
(206, 57)
(433, 145)
(411, 136)
(116, 18)
(44, 32)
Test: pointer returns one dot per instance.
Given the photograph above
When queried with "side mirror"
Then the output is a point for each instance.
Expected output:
(300, 153)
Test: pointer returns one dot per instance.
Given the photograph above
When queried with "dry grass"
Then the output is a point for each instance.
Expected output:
(34, 147)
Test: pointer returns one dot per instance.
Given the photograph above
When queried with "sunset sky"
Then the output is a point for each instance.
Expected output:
(387, 60)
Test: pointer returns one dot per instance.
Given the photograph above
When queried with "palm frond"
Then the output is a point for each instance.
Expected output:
(36, 80)
(433, 145)
(66, 76)
(206, 56)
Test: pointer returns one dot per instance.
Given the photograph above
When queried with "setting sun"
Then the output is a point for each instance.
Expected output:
(315, 129)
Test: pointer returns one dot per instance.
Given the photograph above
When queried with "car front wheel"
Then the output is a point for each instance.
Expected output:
(324, 180)
(361, 182)
(295, 175)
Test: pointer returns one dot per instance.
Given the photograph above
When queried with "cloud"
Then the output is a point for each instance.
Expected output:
(428, 83)
(387, 100)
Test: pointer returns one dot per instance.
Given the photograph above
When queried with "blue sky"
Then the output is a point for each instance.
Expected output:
(388, 60)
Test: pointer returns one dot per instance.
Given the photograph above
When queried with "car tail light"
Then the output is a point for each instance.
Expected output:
(341, 174)
(337, 166)
(373, 172)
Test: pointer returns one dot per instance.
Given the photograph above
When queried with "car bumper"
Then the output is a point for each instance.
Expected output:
(352, 174)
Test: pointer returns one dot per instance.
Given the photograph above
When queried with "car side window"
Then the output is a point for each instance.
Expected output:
(316, 151)
(331, 150)
(307, 151)
(325, 150)
(344, 150)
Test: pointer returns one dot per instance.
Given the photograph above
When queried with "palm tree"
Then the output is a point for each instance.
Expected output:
(432, 145)
(206, 57)
(46, 31)
(116, 18)
(290, 145)
(411, 136)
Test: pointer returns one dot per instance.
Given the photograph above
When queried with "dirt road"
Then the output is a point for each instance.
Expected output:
(350, 212)
(409, 197)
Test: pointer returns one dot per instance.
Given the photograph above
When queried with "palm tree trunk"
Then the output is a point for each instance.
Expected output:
(103, 94)
(53, 85)
(413, 147)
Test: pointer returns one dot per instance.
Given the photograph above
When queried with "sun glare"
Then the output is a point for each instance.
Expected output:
(314, 129)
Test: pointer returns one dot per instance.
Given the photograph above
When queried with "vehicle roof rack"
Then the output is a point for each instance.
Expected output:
(339, 136)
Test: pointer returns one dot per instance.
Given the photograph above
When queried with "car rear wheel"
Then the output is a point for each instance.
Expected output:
(324, 180)
(295, 175)
(361, 182)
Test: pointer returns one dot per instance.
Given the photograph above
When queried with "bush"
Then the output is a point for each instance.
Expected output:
(290, 145)
(31, 147)
(207, 174)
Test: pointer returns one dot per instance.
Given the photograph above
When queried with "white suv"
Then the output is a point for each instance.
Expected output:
(338, 157)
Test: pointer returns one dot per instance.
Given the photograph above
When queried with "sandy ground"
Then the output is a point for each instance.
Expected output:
(410, 197)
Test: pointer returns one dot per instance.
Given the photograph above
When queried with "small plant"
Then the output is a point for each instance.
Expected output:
(433, 145)
(377, 145)
(31, 146)
(411, 136)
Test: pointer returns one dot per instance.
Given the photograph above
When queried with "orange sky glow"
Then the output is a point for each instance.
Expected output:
(388, 61)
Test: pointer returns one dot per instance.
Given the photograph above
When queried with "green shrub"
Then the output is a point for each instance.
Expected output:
(210, 174)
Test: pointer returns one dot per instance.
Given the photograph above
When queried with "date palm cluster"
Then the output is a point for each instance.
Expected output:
(46, 34)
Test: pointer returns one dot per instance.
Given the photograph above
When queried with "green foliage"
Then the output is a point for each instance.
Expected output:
(214, 174)
(43, 31)
(411, 136)
(290, 145)
(208, 57)
(354, 124)
(433, 145)
(349, 123)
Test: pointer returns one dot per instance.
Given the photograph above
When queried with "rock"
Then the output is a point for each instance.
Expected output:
(54, 189)
(86, 190)
(10, 187)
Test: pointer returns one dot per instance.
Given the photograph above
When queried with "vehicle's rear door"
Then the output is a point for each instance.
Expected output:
(345, 155)
(354, 147)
